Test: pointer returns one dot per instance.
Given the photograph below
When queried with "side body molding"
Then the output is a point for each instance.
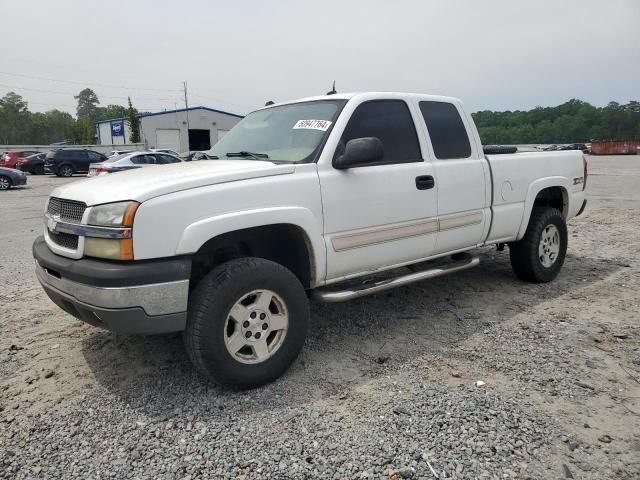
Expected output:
(536, 187)
(199, 232)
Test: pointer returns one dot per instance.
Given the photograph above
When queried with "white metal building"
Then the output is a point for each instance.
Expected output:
(196, 128)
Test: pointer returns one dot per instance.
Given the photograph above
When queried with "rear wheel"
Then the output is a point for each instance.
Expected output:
(65, 171)
(5, 183)
(247, 322)
(539, 256)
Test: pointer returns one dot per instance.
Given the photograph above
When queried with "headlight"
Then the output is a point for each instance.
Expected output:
(118, 214)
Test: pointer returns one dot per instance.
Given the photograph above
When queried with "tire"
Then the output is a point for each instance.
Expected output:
(531, 259)
(38, 170)
(211, 325)
(65, 171)
(5, 182)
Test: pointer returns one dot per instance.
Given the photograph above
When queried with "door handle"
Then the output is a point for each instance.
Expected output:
(425, 182)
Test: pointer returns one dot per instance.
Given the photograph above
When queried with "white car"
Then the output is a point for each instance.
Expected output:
(129, 161)
(115, 153)
(308, 199)
(166, 150)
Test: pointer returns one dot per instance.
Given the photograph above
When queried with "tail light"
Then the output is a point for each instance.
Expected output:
(586, 172)
(95, 171)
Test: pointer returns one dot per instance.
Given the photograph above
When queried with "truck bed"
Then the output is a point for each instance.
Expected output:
(515, 176)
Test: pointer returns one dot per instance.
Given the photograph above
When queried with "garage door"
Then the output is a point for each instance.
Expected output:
(168, 139)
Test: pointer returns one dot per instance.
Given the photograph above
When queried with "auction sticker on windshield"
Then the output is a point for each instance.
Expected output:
(313, 124)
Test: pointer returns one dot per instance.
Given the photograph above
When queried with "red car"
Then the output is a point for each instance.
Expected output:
(10, 159)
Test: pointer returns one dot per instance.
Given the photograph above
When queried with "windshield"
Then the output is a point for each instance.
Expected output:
(287, 133)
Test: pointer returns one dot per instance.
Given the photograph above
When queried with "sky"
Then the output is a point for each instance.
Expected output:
(235, 55)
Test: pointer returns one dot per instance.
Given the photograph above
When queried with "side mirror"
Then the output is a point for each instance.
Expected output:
(360, 152)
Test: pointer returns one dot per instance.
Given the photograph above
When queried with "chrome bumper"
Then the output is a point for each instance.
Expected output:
(141, 309)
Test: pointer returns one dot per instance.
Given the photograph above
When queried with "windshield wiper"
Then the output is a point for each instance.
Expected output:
(255, 156)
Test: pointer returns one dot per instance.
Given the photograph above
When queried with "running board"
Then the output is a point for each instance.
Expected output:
(389, 283)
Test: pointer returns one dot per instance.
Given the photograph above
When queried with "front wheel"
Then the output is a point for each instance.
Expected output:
(5, 183)
(38, 170)
(539, 256)
(247, 322)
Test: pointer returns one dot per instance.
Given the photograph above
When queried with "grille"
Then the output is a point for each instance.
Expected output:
(69, 210)
(65, 240)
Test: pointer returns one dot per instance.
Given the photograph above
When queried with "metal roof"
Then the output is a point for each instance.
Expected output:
(142, 115)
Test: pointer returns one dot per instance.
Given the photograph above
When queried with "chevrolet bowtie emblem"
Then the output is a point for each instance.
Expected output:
(52, 222)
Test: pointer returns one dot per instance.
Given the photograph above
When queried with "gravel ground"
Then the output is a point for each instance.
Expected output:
(475, 375)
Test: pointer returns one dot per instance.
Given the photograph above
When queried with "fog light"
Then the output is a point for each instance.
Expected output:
(109, 248)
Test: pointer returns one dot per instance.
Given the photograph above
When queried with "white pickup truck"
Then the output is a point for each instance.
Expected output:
(305, 199)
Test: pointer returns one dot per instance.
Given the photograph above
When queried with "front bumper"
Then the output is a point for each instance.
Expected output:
(139, 298)
(18, 180)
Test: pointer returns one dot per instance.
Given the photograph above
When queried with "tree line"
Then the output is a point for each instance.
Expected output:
(573, 121)
(19, 126)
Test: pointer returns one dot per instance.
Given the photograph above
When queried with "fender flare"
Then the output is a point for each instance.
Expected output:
(534, 189)
(203, 230)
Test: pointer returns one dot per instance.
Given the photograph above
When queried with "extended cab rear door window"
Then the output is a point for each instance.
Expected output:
(391, 122)
(446, 130)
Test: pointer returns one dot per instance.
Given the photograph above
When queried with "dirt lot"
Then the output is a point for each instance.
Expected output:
(385, 388)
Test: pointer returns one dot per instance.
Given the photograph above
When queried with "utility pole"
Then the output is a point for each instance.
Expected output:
(186, 104)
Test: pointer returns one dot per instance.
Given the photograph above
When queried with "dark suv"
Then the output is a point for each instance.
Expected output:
(65, 163)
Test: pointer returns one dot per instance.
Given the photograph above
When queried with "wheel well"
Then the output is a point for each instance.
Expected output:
(555, 197)
(8, 178)
(281, 243)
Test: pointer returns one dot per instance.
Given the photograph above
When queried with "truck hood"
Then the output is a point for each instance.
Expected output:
(144, 183)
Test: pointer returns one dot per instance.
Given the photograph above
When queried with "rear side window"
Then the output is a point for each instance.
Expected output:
(144, 160)
(94, 156)
(164, 159)
(448, 135)
(391, 122)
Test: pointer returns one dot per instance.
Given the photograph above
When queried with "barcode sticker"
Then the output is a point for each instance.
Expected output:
(313, 124)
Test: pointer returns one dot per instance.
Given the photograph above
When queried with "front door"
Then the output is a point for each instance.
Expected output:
(382, 214)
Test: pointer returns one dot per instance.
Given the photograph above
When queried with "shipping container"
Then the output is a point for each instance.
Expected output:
(625, 147)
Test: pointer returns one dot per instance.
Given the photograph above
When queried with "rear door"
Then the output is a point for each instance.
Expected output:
(378, 215)
(463, 206)
(80, 160)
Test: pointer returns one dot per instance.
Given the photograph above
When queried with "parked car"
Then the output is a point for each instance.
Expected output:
(10, 159)
(309, 197)
(33, 164)
(190, 156)
(10, 177)
(166, 150)
(115, 153)
(580, 146)
(130, 161)
(65, 163)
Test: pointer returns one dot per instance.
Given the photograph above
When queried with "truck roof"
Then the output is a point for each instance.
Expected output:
(350, 95)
